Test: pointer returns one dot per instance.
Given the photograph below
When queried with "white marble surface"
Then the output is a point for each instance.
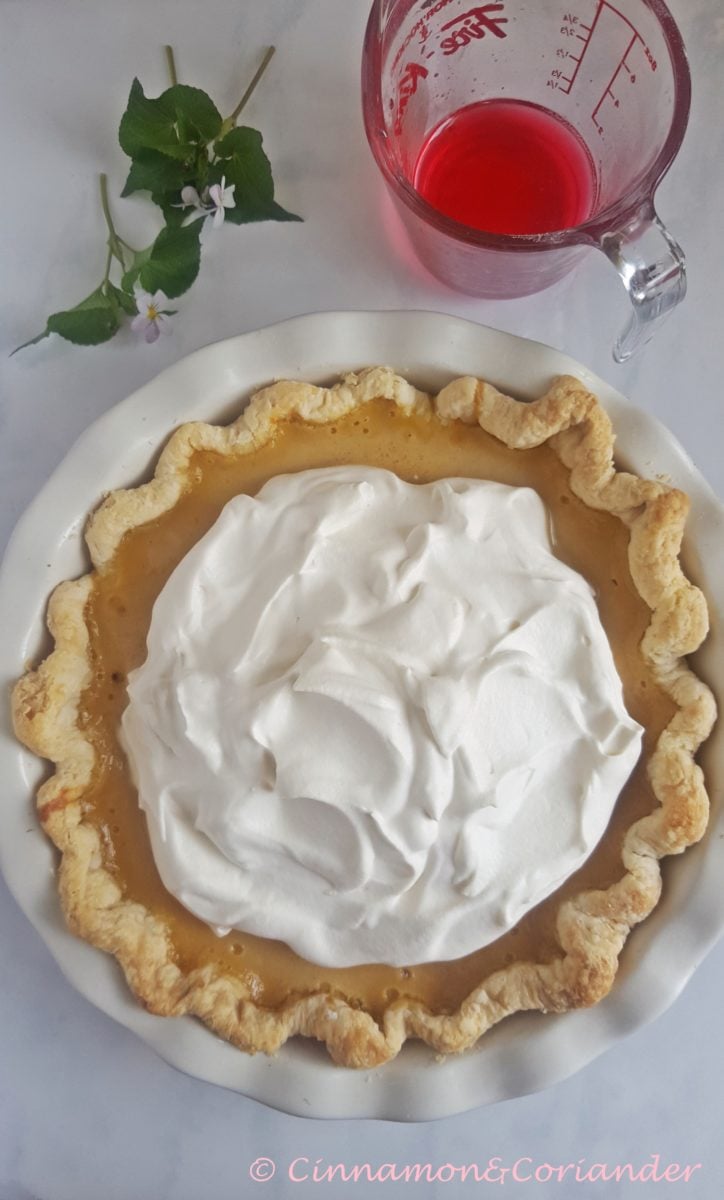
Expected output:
(86, 1110)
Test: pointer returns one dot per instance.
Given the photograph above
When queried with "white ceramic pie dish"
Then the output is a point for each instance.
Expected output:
(526, 1052)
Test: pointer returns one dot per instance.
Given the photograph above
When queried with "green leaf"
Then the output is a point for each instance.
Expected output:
(242, 162)
(201, 169)
(170, 204)
(245, 213)
(174, 125)
(165, 179)
(247, 143)
(152, 171)
(151, 125)
(174, 260)
(193, 108)
(173, 213)
(91, 322)
(125, 301)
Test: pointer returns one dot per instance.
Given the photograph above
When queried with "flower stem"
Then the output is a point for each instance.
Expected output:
(252, 86)
(103, 181)
(171, 64)
(114, 242)
(107, 272)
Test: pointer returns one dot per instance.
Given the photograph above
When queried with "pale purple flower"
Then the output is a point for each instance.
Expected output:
(212, 202)
(221, 197)
(151, 320)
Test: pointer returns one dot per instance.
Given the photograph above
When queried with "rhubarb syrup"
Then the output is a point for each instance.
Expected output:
(505, 166)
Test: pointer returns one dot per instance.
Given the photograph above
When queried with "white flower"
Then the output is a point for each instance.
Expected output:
(221, 197)
(189, 195)
(190, 198)
(151, 320)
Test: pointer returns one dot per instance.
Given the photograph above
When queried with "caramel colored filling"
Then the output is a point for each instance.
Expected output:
(418, 449)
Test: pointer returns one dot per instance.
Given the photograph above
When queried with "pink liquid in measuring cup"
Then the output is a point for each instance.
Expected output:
(506, 166)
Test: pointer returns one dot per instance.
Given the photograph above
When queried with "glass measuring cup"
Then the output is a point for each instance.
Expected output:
(616, 74)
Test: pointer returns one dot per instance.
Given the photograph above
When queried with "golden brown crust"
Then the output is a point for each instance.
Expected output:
(592, 927)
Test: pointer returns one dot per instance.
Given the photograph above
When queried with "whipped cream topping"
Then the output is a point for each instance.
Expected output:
(378, 721)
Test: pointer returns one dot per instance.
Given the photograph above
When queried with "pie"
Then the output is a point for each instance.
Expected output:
(356, 860)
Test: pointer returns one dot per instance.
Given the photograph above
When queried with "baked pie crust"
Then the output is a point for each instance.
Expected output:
(591, 926)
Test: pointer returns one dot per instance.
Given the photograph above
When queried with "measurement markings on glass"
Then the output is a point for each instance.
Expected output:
(573, 27)
(608, 93)
(575, 30)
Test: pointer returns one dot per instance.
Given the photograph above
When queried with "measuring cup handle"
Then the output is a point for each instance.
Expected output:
(653, 269)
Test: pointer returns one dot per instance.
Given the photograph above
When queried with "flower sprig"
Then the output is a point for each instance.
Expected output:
(200, 170)
(212, 203)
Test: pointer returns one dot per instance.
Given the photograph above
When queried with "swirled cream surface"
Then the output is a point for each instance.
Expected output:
(378, 721)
